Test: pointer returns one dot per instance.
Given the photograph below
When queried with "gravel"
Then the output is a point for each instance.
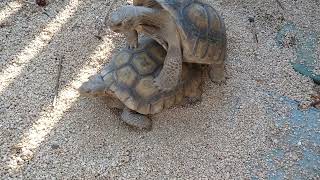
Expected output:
(225, 136)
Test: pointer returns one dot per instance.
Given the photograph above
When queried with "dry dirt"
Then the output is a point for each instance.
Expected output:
(226, 136)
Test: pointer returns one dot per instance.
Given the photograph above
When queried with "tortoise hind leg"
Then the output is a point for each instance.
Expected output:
(217, 73)
(193, 89)
(217, 69)
(135, 119)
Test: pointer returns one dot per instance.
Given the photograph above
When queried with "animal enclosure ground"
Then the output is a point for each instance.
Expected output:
(249, 128)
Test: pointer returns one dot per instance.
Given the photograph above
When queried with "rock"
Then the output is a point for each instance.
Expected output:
(42, 3)
(26, 154)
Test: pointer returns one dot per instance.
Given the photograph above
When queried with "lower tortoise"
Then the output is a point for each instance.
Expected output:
(127, 84)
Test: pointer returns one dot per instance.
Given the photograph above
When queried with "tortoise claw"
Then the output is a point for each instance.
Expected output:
(132, 45)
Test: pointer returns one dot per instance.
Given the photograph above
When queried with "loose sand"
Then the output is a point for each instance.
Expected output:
(229, 135)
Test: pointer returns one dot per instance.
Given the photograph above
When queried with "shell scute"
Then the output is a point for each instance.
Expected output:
(143, 64)
(108, 79)
(122, 58)
(126, 75)
(197, 16)
(146, 88)
(157, 53)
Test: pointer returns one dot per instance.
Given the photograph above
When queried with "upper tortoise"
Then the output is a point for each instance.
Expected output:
(190, 30)
(127, 83)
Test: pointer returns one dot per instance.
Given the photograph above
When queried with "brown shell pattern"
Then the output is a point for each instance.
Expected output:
(203, 27)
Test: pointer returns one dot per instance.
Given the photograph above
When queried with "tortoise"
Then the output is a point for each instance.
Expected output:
(190, 30)
(126, 83)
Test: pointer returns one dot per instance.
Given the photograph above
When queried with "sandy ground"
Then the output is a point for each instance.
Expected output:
(250, 128)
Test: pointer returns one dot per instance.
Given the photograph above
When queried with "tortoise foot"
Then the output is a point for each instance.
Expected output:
(217, 74)
(136, 120)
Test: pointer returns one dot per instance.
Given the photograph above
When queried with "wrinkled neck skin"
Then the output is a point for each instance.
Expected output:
(148, 17)
(155, 23)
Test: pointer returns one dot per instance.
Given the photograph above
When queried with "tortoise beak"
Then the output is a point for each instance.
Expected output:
(83, 89)
(116, 30)
(115, 27)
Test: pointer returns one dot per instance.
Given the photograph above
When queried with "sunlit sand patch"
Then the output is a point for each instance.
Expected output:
(48, 120)
(8, 74)
(9, 9)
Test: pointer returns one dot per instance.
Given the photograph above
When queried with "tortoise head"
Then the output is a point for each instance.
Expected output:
(95, 86)
(128, 17)
(123, 19)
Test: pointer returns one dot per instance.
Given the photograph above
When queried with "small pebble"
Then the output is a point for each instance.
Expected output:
(19, 161)
(42, 2)
(55, 146)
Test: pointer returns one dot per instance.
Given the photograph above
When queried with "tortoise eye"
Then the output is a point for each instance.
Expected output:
(119, 24)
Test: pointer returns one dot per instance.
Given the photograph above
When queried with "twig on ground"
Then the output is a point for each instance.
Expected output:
(56, 89)
(44, 12)
(253, 27)
(255, 36)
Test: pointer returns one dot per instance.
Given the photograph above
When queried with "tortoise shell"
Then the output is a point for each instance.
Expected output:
(130, 76)
(147, 3)
(202, 30)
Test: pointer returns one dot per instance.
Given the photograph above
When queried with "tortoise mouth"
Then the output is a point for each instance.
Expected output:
(115, 28)
(83, 90)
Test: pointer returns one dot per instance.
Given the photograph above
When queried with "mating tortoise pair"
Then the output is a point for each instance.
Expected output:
(186, 33)
(190, 30)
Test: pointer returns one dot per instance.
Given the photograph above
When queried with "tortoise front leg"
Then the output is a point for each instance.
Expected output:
(132, 39)
(170, 74)
(135, 119)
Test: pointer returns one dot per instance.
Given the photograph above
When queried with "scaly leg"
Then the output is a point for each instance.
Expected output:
(193, 89)
(132, 39)
(217, 69)
(135, 119)
(171, 72)
(217, 73)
